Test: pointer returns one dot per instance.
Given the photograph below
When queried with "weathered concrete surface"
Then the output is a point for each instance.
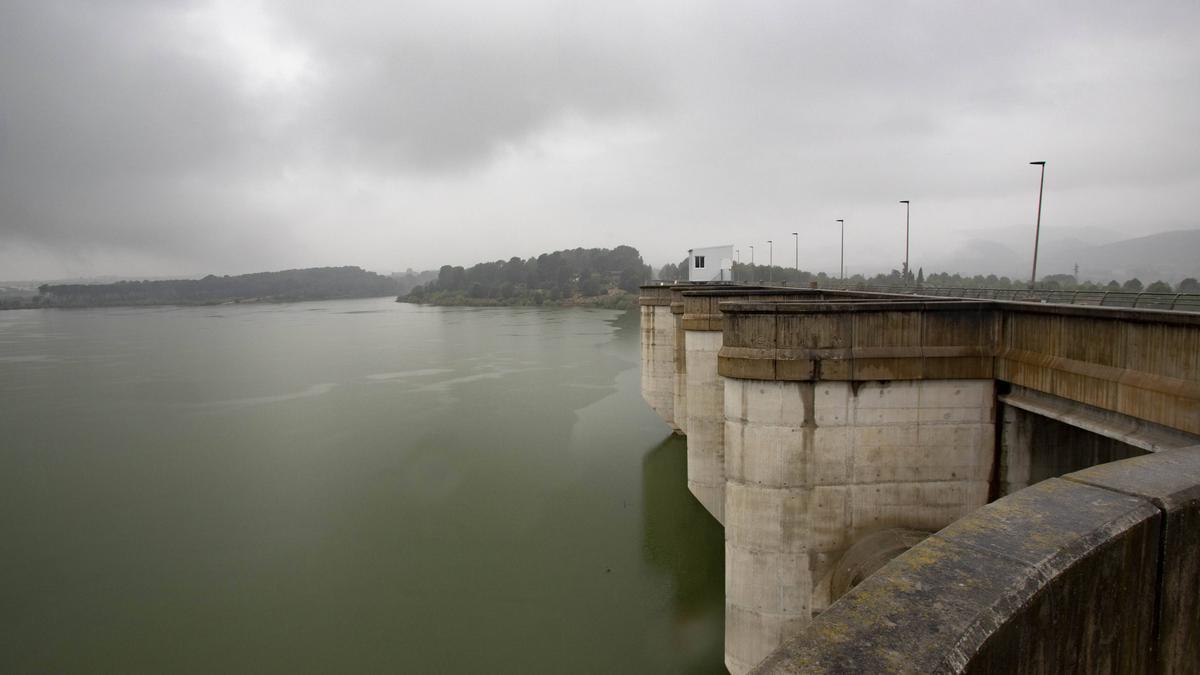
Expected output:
(658, 351)
(1141, 363)
(679, 387)
(702, 326)
(813, 467)
(1171, 482)
(858, 341)
(869, 554)
(1059, 577)
(706, 422)
(679, 390)
(1137, 384)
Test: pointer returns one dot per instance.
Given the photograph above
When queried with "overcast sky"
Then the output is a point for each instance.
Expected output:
(159, 138)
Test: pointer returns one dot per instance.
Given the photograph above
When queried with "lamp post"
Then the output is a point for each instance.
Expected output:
(906, 221)
(842, 260)
(752, 262)
(1037, 231)
(770, 260)
(797, 236)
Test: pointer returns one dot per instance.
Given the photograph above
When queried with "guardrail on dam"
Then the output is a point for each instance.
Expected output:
(830, 431)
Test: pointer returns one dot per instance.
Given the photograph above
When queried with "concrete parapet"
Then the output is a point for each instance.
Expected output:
(1171, 482)
(1140, 363)
(1098, 571)
(857, 341)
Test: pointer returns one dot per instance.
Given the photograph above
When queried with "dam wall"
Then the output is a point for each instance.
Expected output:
(830, 432)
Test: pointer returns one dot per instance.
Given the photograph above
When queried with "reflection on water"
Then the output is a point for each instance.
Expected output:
(684, 540)
(179, 494)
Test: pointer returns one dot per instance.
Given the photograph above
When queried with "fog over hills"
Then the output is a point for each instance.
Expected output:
(1169, 256)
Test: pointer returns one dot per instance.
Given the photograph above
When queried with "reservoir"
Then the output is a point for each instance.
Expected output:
(353, 486)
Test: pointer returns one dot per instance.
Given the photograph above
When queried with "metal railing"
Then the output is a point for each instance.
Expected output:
(1179, 302)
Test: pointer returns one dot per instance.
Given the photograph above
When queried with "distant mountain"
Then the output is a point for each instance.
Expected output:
(1169, 256)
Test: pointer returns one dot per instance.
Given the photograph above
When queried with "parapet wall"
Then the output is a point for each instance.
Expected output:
(1097, 571)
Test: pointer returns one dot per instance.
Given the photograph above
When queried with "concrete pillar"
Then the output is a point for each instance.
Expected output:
(1016, 450)
(658, 351)
(813, 467)
(706, 421)
(705, 388)
(679, 388)
(841, 420)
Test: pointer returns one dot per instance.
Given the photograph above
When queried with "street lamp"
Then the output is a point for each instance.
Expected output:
(1038, 228)
(797, 236)
(770, 260)
(842, 261)
(751, 262)
(906, 220)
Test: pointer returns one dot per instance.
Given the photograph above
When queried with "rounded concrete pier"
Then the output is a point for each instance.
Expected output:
(658, 351)
(831, 436)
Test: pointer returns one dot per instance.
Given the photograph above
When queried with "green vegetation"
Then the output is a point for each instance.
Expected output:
(1066, 282)
(318, 283)
(594, 276)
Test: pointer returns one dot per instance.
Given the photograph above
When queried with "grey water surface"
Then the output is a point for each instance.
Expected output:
(353, 486)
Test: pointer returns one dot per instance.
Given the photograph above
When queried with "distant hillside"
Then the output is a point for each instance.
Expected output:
(411, 279)
(1170, 256)
(592, 276)
(318, 283)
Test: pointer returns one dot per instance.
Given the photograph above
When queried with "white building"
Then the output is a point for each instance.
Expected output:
(714, 263)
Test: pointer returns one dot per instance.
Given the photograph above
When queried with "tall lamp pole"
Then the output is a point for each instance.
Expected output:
(842, 260)
(752, 270)
(770, 260)
(1037, 231)
(797, 236)
(907, 212)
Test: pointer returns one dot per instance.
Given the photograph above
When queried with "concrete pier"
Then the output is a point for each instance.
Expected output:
(658, 351)
(680, 389)
(835, 429)
(702, 324)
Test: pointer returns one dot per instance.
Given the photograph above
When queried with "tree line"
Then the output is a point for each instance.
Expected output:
(317, 283)
(1055, 282)
(558, 277)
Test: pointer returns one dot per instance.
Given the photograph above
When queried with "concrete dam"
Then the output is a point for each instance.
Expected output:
(923, 484)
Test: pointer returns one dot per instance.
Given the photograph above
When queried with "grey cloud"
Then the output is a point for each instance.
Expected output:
(425, 133)
(424, 89)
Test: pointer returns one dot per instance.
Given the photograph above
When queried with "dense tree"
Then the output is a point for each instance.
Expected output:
(1189, 285)
(319, 283)
(550, 276)
(1133, 284)
(1159, 286)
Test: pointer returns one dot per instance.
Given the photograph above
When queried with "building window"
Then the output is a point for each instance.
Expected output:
(699, 262)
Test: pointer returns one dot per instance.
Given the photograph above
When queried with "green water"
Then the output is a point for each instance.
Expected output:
(344, 487)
